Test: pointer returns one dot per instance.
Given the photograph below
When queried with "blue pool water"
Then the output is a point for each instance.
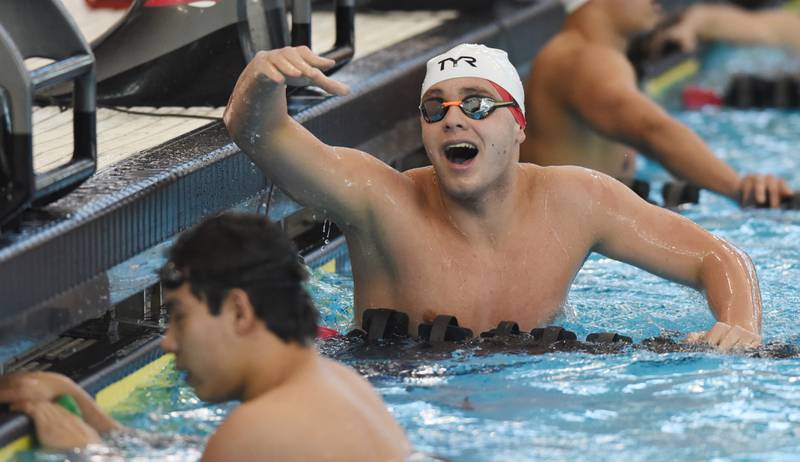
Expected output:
(634, 406)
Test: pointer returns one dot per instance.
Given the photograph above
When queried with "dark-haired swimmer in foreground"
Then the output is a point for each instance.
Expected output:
(585, 108)
(242, 327)
(478, 235)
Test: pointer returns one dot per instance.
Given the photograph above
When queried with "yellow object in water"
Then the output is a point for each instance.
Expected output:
(20, 444)
(329, 267)
(656, 87)
(111, 396)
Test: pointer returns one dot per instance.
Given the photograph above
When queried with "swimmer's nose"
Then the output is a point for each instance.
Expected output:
(454, 119)
(168, 343)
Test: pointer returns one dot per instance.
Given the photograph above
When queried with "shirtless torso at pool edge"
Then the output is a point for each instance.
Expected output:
(488, 239)
(585, 108)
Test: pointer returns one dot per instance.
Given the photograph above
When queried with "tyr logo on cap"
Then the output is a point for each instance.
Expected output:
(470, 60)
(467, 59)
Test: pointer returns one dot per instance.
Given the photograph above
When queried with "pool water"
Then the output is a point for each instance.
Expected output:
(633, 406)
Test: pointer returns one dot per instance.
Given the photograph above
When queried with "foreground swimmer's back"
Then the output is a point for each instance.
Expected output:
(330, 405)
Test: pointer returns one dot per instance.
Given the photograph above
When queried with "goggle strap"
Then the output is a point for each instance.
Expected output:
(515, 109)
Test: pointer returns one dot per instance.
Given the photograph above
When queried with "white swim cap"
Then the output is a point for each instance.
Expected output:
(572, 5)
(471, 60)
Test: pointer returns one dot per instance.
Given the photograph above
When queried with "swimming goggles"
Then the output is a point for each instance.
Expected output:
(475, 107)
(272, 274)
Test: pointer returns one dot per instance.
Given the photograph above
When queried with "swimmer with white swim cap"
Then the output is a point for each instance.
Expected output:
(598, 118)
(478, 234)
(479, 61)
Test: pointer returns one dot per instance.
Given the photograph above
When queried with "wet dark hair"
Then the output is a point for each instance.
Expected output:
(253, 254)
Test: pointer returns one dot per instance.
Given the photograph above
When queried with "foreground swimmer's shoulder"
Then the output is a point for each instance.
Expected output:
(348, 383)
(229, 438)
(250, 431)
(366, 409)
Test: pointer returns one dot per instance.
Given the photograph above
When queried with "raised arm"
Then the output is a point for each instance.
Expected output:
(328, 178)
(605, 94)
(664, 243)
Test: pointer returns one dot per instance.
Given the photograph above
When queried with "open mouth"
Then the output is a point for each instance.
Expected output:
(460, 153)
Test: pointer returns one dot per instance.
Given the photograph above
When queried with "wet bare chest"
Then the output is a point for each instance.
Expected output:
(525, 281)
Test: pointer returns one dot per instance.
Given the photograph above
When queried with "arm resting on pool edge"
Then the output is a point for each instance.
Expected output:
(774, 27)
(57, 428)
(606, 96)
(671, 246)
(24, 390)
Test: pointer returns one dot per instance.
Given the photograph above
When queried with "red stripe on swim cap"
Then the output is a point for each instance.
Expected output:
(515, 111)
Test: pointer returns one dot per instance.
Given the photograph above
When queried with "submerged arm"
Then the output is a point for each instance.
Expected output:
(666, 244)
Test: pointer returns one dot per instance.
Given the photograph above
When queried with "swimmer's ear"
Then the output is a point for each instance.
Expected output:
(520, 138)
(244, 315)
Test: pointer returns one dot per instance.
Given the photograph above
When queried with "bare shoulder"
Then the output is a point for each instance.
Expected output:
(353, 392)
(229, 440)
(569, 52)
(347, 378)
(248, 433)
(577, 70)
(576, 188)
(569, 179)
